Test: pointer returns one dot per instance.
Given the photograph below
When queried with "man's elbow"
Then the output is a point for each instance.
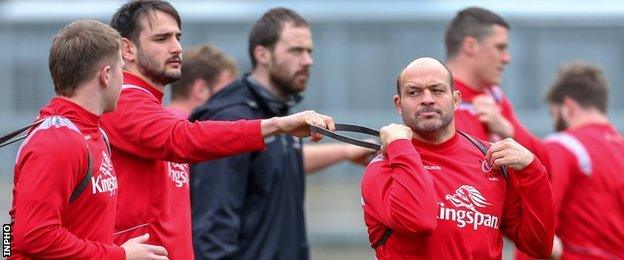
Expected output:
(546, 250)
(215, 245)
(427, 226)
(543, 253)
(541, 250)
(27, 243)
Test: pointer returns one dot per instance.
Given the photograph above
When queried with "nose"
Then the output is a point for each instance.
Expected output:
(506, 57)
(307, 59)
(427, 98)
(176, 47)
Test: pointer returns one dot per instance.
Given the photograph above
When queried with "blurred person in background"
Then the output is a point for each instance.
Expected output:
(586, 167)
(65, 187)
(250, 206)
(205, 71)
(435, 193)
(151, 146)
(477, 50)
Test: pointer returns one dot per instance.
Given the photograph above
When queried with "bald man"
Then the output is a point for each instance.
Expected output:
(437, 193)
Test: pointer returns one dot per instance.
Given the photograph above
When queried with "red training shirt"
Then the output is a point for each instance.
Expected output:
(588, 184)
(153, 197)
(466, 119)
(51, 163)
(445, 202)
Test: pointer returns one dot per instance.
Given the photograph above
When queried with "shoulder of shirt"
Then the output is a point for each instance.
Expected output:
(135, 90)
(55, 135)
(570, 143)
(378, 158)
(373, 171)
(132, 99)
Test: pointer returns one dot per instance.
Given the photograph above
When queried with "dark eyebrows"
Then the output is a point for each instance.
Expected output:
(300, 48)
(438, 85)
(166, 34)
(413, 86)
(420, 86)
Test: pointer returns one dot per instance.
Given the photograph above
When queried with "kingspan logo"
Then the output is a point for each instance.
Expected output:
(179, 174)
(106, 180)
(470, 199)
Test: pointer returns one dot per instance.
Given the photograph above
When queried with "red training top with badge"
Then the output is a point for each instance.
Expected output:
(446, 202)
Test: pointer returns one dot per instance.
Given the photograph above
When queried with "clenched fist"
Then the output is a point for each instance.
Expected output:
(393, 132)
(509, 153)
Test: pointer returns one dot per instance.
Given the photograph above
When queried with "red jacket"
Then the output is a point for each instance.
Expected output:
(51, 163)
(445, 202)
(466, 119)
(588, 185)
(153, 194)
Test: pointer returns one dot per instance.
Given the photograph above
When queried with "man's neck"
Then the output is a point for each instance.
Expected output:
(588, 117)
(134, 71)
(436, 137)
(462, 71)
(262, 76)
(86, 98)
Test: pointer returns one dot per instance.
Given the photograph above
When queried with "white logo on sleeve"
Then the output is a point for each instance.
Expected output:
(105, 181)
(470, 199)
(179, 174)
(433, 167)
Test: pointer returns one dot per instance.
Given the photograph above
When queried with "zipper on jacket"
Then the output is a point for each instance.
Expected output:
(284, 144)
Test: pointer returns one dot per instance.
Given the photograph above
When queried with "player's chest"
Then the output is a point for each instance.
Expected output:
(469, 194)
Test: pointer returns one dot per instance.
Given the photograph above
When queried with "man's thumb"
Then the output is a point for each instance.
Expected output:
(140, 239)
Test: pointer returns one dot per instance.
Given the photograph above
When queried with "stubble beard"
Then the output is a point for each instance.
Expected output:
(288, 84)
(149, 68)
(428, 128)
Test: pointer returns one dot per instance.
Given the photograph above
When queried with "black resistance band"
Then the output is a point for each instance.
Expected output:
(346, 139)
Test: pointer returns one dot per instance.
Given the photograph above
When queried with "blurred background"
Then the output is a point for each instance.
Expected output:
(359, 47)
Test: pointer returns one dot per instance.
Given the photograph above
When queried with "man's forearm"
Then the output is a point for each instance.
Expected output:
(270, 127)
(317, 157)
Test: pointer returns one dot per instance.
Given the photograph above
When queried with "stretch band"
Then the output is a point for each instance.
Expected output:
(346, 139)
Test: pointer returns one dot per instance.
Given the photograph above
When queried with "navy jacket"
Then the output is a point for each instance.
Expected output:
(249, 206)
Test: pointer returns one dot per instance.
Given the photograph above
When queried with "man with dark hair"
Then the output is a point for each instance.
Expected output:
(65, 192)
(205, 71)
(435, 193)
(250, 206)
(586, 162)
(477, 51)
(151, 145)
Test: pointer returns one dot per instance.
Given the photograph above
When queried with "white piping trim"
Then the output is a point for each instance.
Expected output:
(573, 145)
(130, 229)
(377, 158)
(52, 121)
(468, 107)
(128, 86)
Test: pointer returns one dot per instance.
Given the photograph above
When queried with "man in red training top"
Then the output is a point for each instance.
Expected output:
(53, 217)
(477, 51)
(438, 194)
(145, 137)
(586, 167)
